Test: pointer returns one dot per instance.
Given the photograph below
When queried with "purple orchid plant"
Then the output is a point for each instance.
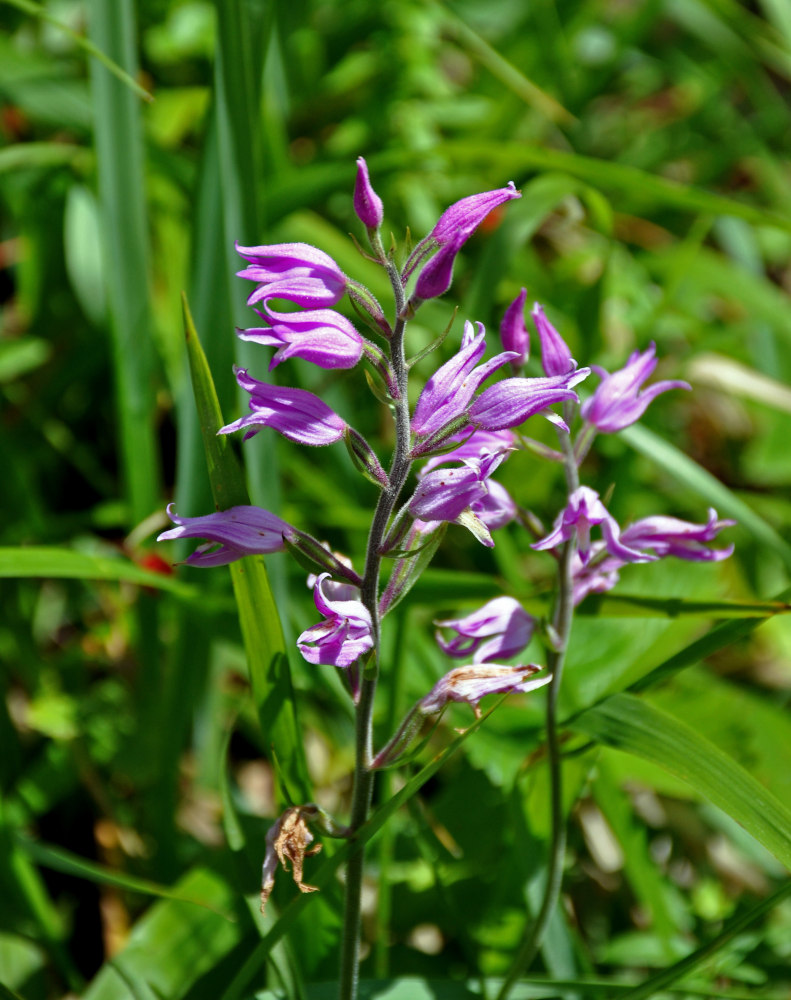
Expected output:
(467, 422)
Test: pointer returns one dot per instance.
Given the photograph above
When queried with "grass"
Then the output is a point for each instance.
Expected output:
(650, 143)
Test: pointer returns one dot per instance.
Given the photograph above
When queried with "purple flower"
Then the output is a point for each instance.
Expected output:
(663, 536)
(503, 621)
(471, 445)
(322, 336)
(470, 684)
(367, 203)
(295, 413)
(307, 293)
(282, 263)
(618, 401)
(238, 531)
(343, 637)
(464, 217)
(670, 536)
(448, 392)
(583, 511)
(336, 590)
(443, 494)
(513, 331)
(454, 227)
(597, 575)
(497, 508)
(510, 402)
(556, 358)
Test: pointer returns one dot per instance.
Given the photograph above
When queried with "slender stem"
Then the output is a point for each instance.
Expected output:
(561, 622)
(369, 595)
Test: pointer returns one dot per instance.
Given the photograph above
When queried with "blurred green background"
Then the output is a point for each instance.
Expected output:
(650, 141)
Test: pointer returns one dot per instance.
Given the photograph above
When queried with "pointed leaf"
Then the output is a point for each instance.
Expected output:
(270, 676)
(631, 724)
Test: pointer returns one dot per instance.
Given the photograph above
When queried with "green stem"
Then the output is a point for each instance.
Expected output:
(369, 595)
(561, 623)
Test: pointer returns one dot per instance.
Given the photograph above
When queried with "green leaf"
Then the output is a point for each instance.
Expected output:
(717, 638)
(59, 860)
(85, 262)
(39, 155)
(46, 561)
(630, 724)
(504, 71)
(36, 10)
(270, 676)
(631, 606)
(18, 357)
(172, 945)
(662, 980)
(624, 180)
(122, 205)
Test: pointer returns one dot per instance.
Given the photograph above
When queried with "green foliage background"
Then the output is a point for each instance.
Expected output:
(650, 141)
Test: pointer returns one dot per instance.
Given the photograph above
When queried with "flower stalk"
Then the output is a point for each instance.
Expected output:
(369, 594)
(561, 627)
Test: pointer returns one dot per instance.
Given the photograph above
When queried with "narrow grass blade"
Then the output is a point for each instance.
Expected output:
(630, 605)
(262, 632)
(241, 40)
(505, 71)
(36, 10)
(58, 860)
(667, 977)
(37, 155)
(119, 154)
(694, 476)
(632, 725)
(628, 182)
(47, 562)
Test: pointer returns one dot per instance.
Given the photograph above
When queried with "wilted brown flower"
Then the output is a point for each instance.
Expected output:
(287, 840)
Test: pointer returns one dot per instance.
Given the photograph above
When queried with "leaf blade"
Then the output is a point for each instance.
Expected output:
(627, 723)
(262, 632)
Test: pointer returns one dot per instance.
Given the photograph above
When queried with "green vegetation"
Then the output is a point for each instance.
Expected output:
(141, 702)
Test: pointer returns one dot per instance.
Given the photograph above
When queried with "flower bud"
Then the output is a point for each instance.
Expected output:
(311, 554)
(513, 332)
(367, 203)
(364, 458)
(556, 357)
(435, 277)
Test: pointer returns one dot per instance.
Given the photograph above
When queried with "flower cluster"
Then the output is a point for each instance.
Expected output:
(618, 401)
(464, 427)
